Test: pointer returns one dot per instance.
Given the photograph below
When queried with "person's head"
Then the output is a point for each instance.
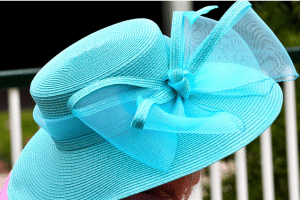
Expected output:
(179, 189)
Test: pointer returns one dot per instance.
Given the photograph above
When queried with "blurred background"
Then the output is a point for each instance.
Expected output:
(33, 33)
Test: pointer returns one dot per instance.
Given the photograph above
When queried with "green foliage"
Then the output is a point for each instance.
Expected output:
(29, 128)
(283, 19)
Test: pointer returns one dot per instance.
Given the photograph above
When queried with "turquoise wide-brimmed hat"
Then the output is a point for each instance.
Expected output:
(126, 108)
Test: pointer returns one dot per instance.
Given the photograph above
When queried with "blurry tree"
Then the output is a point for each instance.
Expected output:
(283, 18)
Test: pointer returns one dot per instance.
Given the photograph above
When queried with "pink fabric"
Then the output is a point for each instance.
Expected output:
(3, 192)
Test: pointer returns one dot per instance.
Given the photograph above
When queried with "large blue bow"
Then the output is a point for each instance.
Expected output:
(185, 83)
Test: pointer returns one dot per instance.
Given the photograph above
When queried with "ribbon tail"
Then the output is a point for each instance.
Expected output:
(193, 16)
(144, 106)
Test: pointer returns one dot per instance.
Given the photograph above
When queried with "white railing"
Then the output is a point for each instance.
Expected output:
(241, 174)
(267, 165)
(14, 109)
(291, 139)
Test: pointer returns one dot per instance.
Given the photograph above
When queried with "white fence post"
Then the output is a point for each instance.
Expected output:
(291, 139)
(200, 190)
(215, 181)
(14, 106)
(169, 7)
(267, 165)
(196, 193)
(241, 174)
(182, 6)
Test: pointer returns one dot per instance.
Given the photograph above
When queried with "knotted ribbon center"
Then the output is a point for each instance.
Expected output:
(182, 81)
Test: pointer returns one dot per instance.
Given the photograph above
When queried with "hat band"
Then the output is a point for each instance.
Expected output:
(62, 129)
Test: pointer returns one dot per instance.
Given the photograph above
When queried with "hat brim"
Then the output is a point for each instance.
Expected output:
(45, 170)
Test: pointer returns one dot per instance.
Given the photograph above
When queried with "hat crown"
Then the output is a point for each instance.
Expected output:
(130, 48)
